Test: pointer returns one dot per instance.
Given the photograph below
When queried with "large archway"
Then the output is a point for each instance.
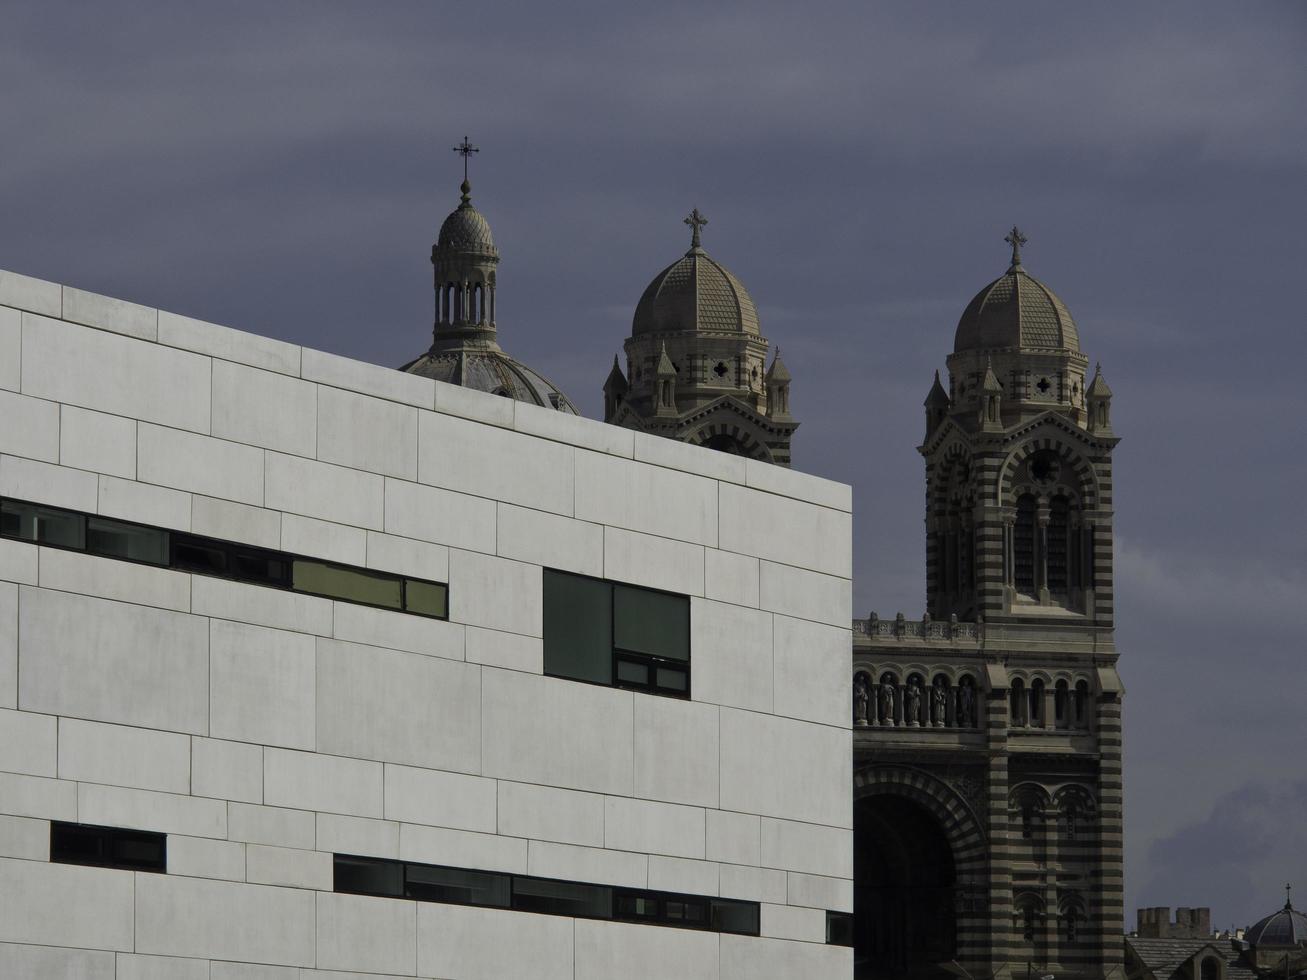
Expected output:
(904, 899)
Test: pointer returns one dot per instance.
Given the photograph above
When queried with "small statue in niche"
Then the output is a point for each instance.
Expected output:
(912, 702)
(860, 698)
(939, 703)
(966, 704)
(887, 700)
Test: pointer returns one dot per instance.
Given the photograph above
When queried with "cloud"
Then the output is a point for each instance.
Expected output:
(1236, 857)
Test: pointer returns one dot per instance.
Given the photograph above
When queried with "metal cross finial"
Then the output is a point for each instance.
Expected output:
(1016, 240)
(695, 221)
(1288, 895)
(466, 149)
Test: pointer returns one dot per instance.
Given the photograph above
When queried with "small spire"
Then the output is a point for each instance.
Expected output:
(1016, 240)
(1288, 896)
(778, 372)
(616, 379)
(938, 397)
(665, 365)
(991, 382)
(695, 221)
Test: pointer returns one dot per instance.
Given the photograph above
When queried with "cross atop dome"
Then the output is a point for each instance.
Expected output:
(1016, 240)
(695, 221)
(465, 150)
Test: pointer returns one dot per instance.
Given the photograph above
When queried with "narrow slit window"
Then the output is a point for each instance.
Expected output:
(106, 537)
(108, 847)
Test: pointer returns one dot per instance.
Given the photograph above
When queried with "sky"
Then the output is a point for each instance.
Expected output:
(283, 168)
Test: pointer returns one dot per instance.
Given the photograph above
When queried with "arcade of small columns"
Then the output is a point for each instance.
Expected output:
(469, 301)
(895, 696)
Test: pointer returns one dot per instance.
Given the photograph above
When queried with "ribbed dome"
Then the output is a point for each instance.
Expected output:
(466, 229)
(695, 293)
(491, 370)
(1287, 927)
(1016, 310)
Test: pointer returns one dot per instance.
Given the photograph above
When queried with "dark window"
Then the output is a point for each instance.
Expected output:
(839, 928)
(117, 539)
(578, 628)
(107, 847)
(456, 886)
(609, 633)
(562, 898)
(369, 876)
(737, 917)
(43, 525)
(1059, 531)
(198, 555)
(58, 528)
(1023, 545)
(459, 886)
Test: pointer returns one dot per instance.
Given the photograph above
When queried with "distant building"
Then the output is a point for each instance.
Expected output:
(1189, 923)
(1274, 948)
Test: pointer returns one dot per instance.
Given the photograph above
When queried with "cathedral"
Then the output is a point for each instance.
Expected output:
(987, 785)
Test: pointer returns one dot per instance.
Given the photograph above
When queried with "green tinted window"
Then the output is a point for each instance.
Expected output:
(114, 539)
(426, 598)
(653, 623)
(578, 628)
(345, 583)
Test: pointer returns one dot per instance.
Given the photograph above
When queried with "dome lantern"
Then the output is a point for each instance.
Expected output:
(465, 350)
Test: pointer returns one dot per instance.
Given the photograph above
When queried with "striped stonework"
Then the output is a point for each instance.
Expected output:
(1020, 600)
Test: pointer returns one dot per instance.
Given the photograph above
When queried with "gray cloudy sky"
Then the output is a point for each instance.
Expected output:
(283, 168)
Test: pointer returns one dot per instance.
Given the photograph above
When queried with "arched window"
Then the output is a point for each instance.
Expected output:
(1036, 715)
(1029, 912)
(1059, 529)
(1211, 969)
(1018, 703)
(1061, 705)
(1023, 545)
(1081, 711)
(1072, 918)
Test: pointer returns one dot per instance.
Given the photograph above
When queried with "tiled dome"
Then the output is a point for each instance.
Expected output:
(493, 371)
(466, 229)
(695, 293)
(1016, 310)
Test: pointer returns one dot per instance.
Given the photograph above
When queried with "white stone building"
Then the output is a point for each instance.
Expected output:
(215, 763)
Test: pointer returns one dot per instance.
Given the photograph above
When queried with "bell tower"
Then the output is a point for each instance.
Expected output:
(987, 734)
(1018, 463)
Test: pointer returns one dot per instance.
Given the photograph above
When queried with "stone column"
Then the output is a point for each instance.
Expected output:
(1041, 551)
